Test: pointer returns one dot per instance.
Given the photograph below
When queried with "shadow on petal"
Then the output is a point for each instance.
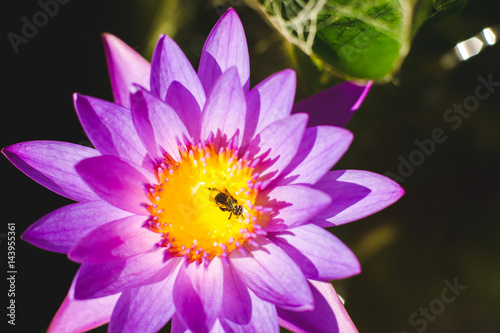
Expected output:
(186, 106)
(342, 190)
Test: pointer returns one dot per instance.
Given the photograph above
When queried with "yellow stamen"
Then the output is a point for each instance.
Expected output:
(204, 203)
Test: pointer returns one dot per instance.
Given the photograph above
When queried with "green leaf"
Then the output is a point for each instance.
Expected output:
(354, 39)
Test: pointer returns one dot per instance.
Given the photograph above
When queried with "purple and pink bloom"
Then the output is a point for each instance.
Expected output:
(204, 202)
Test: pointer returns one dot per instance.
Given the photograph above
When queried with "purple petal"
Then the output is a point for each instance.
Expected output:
(264, 318)
(320, 149)
(355, 194)
(186, 107)
(126, 66)
(273, 276)
(225, 47)
(270, 100)
(61, 229)
(159, 127)
(170, 65)
(198, 294)
(236, 300)
(103, 279)
(110, 128)
(217, 328)
(292, 205)
(328, 292)
(333, 106)
(117, 240)
(146, 308)
(277, 144)
(329, 314)
(224, 112)
(82, 315)
(319, 254)
(178, 325)
(52, 164)
(116, 182)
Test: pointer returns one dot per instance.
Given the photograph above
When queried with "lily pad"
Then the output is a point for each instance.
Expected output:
(354, 39)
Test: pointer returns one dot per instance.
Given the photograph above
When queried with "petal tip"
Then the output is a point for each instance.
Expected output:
(5, 151)
(230, 12)
(301, 117)
(346, 134)
(355, 266)
(29, 236)
(362, 96)
(109, 38)
(398, 191)
(25, 235)
(289, 71)
(77, 99)
(392, 188)
(135, 88)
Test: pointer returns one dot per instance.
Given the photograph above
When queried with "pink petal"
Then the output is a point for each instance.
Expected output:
(333, 106)
(217, 328)
(170, 65)
(116, 240)
(198, 294)
(236, 300)
(103, 279)
(277, 144)
(147, 308)
(225, 47)
(110, 128)
(126, 66)
(52, 164)
(329, 314)
(224, 112)
(292, 205)
(116, 181)
(355, 194)
(61, 229)
(159, 127)
(186, 107)
(264, 318)
(273, 276)
(76, 316)
(328, 292)
(319, 151)
(319, 254)
(178, 325)
(270, 100)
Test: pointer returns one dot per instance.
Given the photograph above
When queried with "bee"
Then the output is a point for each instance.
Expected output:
(226, 202)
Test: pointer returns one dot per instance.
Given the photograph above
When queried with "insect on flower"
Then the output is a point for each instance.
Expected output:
(226, 202)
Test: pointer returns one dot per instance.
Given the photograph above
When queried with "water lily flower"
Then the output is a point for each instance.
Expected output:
(203, 202)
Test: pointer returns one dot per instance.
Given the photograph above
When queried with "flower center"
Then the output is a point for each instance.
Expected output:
(204, 203)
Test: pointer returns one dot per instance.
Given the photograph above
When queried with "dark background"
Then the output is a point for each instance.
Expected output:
(445, 227)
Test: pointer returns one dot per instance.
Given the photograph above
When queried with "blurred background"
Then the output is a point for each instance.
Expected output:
(446, 227)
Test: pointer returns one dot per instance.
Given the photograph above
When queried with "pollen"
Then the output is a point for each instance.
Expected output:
(203, 204)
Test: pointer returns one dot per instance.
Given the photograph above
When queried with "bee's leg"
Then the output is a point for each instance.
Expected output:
(230, 214)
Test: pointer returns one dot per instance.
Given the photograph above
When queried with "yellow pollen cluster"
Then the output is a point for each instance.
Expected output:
(204, 203)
